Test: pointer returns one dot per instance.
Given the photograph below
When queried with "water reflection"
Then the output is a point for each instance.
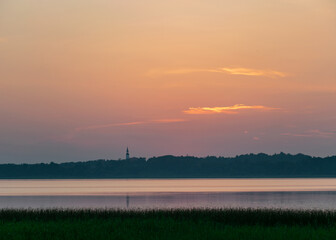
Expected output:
(292, 200)
(141, 186)
(169, 193)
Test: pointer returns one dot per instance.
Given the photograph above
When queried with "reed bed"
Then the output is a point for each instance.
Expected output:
(266, 217)
(167, 224)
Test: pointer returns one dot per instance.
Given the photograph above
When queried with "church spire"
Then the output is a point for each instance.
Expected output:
(127, 154)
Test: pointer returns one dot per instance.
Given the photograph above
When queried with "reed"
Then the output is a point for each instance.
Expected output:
(266, 217)
(167, 224)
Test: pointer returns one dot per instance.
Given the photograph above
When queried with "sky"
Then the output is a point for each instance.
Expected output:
(83, 80)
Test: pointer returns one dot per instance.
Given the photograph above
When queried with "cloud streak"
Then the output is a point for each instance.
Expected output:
(155, 121)
(74, 132)
(225, 70)
(254, 72)
(225, 110)
(93, 127)
(312, 134)
(168, 120)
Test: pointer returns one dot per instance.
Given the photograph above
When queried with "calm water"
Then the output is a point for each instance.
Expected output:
(169, 193)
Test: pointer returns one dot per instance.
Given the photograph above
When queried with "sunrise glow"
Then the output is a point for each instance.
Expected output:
(83, 79)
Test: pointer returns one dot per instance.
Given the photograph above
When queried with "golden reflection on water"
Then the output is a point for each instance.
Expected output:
(141, 186)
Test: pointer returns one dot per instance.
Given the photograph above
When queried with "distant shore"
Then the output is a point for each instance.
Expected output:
(244, 166)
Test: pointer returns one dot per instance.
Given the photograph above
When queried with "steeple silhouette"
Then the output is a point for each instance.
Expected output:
(127, 154)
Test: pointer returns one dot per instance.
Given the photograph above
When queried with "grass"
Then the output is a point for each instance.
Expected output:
(229, 224)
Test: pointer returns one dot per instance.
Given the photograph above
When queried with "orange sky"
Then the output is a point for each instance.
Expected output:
(84, 79)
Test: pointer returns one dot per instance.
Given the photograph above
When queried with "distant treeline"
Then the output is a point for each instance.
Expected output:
(250, 165)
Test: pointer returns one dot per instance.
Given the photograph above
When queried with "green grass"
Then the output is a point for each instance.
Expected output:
(229, 224)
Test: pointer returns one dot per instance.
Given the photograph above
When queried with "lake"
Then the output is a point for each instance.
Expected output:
(169, 193)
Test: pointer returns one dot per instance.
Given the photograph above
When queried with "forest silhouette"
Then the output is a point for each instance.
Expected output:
(250, 166)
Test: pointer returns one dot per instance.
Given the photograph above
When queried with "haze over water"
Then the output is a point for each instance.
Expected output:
(169, 193)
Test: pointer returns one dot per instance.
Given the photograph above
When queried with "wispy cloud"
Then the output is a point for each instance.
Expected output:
(254, 72)
(168, 120)
(158, 72)
(226, 110)
(155, 121)
(92, 127)
(74, 132)
(312, 133)
(225, 70)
